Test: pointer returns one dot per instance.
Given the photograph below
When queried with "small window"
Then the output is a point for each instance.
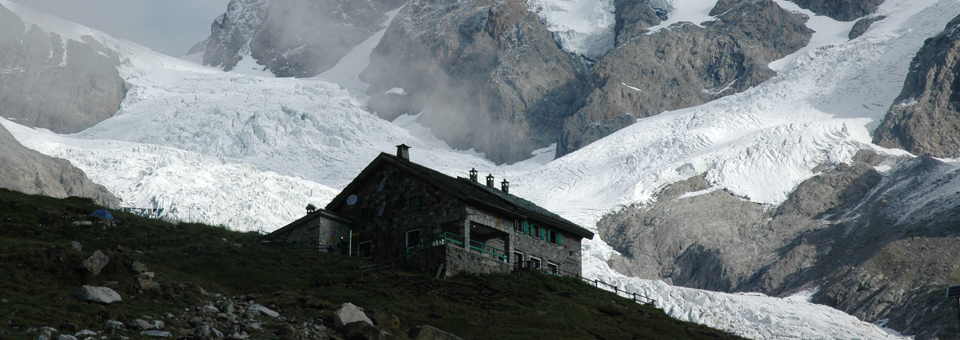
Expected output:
(553, 268)
(365, 249)
(517, 226)
(535, 263)
(413, 238)
(413, 203)
(552, 236)
(537, 231)
(517, 257)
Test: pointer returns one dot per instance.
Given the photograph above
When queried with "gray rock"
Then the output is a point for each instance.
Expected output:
(202, 331)
(66, 337)
(156, 333)
(258, 309)
(924, 119)
(95, 263)
(292, 38)
(54, 82)
(74, 245)
(113, 325)
(102, 295)
(862, 25)
(252, 327)
(216, 333)
(209, 309)
(486, 74)
(287, 331)
(348, 313)
(138, 267)
(144, 325)
(33, 173)
(427, 332)
(85, 333)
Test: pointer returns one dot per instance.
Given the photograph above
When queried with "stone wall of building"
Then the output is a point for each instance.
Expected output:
(318, 233)
(566, 255)
(408, 203)
(459, 259)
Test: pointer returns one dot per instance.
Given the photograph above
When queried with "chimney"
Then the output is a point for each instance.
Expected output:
(505, 186)
(403, 151)
(490, 180)
(473, 174)
(311, 208)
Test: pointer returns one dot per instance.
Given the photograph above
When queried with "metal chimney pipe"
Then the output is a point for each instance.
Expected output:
(490, 180)
(403, 151)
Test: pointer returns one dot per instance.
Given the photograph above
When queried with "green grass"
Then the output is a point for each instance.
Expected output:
(39, 277)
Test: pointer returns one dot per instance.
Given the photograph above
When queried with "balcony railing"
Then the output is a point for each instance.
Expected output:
(484, 248)
(445, 238)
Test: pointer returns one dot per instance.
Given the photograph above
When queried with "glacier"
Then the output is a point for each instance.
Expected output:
(248, 151)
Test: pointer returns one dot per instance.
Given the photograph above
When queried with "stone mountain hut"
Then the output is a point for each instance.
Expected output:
(397, 210)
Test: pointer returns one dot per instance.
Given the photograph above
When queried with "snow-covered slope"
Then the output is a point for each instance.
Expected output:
(247, 152)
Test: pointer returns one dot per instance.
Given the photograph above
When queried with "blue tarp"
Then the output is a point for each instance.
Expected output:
(102, 213)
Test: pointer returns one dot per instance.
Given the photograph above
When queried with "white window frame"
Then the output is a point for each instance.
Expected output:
(555, 265)
(515, 256)
(539, 262)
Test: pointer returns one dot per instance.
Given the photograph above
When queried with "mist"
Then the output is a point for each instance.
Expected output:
(167, 26)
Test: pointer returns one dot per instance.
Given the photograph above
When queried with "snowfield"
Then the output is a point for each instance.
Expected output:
(250, 152)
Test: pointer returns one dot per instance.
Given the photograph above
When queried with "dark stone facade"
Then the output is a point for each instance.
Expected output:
(396, 210)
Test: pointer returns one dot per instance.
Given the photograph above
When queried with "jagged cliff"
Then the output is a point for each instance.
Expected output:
(925, 117)
(55, 83)
(291, 38)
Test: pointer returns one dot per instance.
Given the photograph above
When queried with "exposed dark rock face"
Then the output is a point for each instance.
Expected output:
(925, 117)
(31, 172)
(877, 246)
(485, 74)
(683, 66)
(842, 10)
(862, 25)
(51, 82)
(292, 38)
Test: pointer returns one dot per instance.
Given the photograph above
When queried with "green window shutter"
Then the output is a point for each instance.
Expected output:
(559, 239)
(542, 232)
(526, 227)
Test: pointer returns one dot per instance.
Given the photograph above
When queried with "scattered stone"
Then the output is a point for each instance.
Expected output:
(202, 331)
(252, 327)
(83, 223)
(74, 245)
(427, 332)
(348, 313)
(138, 267)
(113, 325)
(98, 294)
(85, 332)
(66, 337)
(144, 325)
(95, 263)
(287, 331)
(210, 309)
(156, 333)
(258, 308)
(216, 333)
(361, 330)
(386, 321)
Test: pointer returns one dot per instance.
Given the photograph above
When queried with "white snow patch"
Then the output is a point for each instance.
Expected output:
(695, 12)
(396, 90)
(583, 27)
(249, 66)
(631, 87)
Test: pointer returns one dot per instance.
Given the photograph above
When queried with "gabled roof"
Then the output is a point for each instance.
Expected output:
(475, 193)
(309, 217)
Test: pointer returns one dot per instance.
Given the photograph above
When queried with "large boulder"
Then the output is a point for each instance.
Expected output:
(348, 313)
(95, 263)
(102, 295)
(427, 332)
(925, 118)
(53, 82)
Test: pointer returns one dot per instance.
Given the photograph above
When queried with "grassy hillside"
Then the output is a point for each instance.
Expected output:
(197, 265)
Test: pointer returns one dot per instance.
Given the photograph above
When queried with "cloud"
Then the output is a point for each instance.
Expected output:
(166, 26)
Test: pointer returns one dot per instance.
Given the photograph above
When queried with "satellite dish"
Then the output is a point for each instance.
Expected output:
(352, 199)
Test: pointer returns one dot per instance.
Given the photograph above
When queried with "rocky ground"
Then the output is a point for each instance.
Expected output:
(68, 275)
